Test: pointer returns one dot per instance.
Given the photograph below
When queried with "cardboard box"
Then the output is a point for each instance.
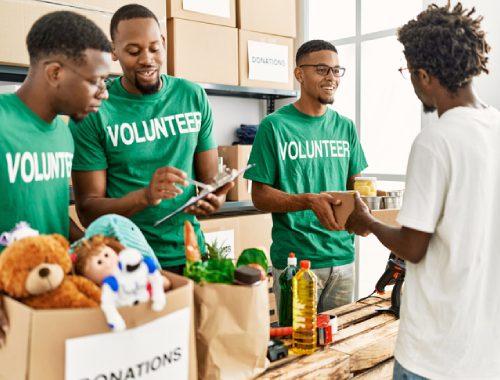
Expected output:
(222, 12)
(255, 232)
(202, 52)
(265, 60)
(244, 231)
(236, 157)
(225, 231)
(272, 17)
(40, 342)
(342, 212)
(16, 19)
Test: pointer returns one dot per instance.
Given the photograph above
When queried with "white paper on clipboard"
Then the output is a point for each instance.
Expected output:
(204, 193)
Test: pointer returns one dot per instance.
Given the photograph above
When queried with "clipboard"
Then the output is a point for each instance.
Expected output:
(218, 184)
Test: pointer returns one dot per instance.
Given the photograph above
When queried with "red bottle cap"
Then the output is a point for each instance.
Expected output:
(292, 255)
(305, 264)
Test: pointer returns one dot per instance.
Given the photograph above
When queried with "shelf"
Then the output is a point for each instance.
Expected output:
(234, 208)
(13, 73)
(247, 92)
(17, 74)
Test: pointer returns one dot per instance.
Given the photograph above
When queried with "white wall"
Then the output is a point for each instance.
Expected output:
(229, 113)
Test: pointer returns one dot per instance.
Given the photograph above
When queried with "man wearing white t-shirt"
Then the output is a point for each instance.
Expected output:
(450, 217)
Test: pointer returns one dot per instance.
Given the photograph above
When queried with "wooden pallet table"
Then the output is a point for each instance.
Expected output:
(362, 349)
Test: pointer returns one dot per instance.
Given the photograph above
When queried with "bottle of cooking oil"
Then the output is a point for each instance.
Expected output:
(304, 289)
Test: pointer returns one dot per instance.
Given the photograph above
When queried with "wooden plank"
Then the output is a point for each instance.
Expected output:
(323, 364)
(370, 348)
(360, 315)
(358, 305)
(364, 326)
(383, 371)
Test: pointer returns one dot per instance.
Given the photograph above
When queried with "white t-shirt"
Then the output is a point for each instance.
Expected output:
(450, 314)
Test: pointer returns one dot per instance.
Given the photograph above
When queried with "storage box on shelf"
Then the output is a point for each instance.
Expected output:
(38, 340)
(236, 157)
(272, 17)
(265, 60)
(202, 52)
(222, 12)
(17, 17)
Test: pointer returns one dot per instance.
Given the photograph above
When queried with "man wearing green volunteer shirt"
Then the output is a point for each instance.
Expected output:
(299, 151)
(69, 60)
(149, 121)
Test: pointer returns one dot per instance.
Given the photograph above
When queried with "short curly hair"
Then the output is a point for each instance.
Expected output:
(448, 43)
(311, 47)
(65, 33)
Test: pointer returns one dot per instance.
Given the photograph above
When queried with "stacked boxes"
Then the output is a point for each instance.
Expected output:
(202, 41)
(266, 33)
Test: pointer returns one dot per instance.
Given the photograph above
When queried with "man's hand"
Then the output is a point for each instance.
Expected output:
(163, 185)
(211, 203)
(360, 219)
(322, 206)
(4, 325)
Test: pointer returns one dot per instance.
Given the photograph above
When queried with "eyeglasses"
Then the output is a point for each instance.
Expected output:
(100, 83)
(406, 72)
(324, 70)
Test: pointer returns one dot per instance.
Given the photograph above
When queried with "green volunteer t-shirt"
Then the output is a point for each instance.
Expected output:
(133, 135)
(35, 167)
(298, 153)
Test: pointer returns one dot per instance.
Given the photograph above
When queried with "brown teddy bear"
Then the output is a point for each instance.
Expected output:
(33, 270)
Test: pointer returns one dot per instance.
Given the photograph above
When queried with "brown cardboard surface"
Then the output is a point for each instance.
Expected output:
(236, 157)
(36, 340)
(387, 216)
(272, 17)
(16, 19)
(202, 52)
(223, 224)
(343, 211)
(255, 232)
(175, 9)
(244, 37)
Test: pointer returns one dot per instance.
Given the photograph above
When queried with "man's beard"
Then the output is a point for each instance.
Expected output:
(150, 88)
(326, 101)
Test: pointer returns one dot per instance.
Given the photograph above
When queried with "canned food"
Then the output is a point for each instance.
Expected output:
(366, 186)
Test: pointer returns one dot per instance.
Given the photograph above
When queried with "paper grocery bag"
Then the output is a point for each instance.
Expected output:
(232, 330)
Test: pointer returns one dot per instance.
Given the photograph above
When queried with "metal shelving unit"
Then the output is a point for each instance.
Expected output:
(17, 74)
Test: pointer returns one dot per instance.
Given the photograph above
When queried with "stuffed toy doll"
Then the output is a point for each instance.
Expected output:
(97, 258)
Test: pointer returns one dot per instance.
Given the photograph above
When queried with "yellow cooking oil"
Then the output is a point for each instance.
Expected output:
(304, 290)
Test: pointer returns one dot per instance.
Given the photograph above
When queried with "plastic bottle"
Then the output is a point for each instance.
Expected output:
(304, 310)
(285, 306)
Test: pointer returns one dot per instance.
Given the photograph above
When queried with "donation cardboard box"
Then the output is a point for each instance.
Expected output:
(221, 12)
(202, 52)
(265, 60)
(272, 17)
(76, 344)
(236, 157)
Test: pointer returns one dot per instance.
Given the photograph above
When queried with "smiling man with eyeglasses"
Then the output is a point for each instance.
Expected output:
(300, 151)
(36, 147)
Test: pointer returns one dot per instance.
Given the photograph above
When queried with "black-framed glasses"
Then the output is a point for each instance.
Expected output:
(100, 83)
(324, 70)
(406, 72)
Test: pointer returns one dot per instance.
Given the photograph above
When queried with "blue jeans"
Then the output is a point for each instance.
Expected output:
(401, 373)
(335, 286)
